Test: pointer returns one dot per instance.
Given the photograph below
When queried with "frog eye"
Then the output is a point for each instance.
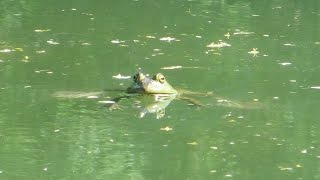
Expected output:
(160, 77)
(136, 77)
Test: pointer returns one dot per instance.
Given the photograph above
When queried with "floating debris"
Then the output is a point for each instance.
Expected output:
(228, 175)
(119, 76)
(285, 63)
(166, 129)
(304, 151)
(116, 41)
(214, 147)
(40, 51)
(42, 30)
(288, 44)
(42, 70)
(172, 67)
(222, 100)
(107, 102)
(254, 52)
(238, 32)
(87, 14)
(192, 143)
(278, 7)
(285, 168)
(150, 37)
(51, 41)
(7, 50)
(198, 36)
(157, 54)
(56, 130)
(85, 44)
(18, 49)
(92, 97)
(220, 44)
(168, 39)
(227, 35)
(315, 87)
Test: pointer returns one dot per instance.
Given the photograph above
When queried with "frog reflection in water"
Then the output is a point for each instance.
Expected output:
(161, 90)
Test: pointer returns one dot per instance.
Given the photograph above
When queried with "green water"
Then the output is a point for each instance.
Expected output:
(268, 131)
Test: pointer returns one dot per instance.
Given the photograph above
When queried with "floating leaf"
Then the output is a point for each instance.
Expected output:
(116, 41)
(172, 67)
(50, 41)
(285, 63)
(42, 30)
(107, 102)
(166, 129)
(254, 52)
(150, 37)
(238, 32)
(7, 50)
(214, 147)
(85, 44)
(168, 39)
(192, 143)
(40, 52)
(18, 49)
(288, 44)
(315, 87)
(119, 76)
(92, 97)
(220, 44)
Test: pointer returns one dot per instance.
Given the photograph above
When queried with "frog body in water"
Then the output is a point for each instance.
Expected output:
(158, 85)
(161, 91)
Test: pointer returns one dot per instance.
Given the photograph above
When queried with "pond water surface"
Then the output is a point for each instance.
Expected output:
(260, 56)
